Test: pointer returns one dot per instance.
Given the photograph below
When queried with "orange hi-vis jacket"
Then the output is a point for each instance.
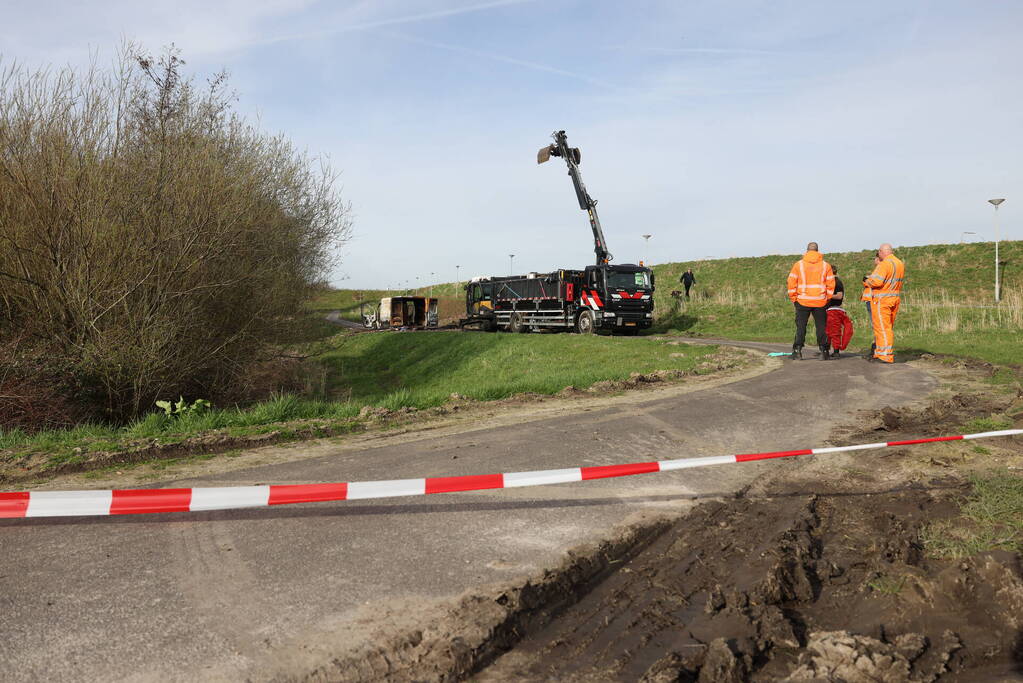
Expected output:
(887, 278)
(811, 281)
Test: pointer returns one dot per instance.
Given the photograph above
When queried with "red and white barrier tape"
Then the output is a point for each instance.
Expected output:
(137, 501)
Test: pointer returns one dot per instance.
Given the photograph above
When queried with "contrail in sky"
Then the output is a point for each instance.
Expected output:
(699, 50)
(408, 19)
(536, 66)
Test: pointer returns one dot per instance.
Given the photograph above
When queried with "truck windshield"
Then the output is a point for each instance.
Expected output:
(637, 280)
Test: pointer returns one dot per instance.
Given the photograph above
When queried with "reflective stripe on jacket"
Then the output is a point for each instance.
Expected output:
(887, 278)
(811, 281)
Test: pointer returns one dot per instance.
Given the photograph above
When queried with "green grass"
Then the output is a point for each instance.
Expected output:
(424, 369)
(392, 371)
(991, 519)
(347, 301)
(256, 419)
(993, 423)
(887, 585)
(947, 308)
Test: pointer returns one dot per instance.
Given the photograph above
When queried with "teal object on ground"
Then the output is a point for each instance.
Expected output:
(778, 353)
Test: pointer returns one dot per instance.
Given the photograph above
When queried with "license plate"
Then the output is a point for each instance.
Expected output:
(630, 324)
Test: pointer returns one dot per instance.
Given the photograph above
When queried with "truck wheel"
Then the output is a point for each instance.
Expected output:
(517, 323)
(584, 323)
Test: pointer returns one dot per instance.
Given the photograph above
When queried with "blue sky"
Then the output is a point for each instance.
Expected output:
(721, 128)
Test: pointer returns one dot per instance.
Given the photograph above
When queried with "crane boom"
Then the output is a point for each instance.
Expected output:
(587, 203)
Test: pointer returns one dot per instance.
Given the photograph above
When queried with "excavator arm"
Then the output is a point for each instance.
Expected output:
(573, 158)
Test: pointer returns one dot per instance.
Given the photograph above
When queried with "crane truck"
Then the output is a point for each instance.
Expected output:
(601, 297)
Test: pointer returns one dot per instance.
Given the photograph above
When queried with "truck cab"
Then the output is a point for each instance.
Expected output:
(625, 297)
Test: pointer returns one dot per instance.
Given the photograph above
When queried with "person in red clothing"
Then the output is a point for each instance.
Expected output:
(839, 326)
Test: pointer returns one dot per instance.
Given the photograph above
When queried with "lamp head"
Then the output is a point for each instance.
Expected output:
(996, 202)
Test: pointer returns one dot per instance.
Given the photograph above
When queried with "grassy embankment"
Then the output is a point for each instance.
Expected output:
(948, 305)
(392, 371)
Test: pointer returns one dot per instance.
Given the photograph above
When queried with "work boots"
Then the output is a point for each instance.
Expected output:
(797, 353)
(825, 352)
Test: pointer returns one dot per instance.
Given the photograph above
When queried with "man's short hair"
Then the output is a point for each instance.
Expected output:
(834, 269)
(812, 246)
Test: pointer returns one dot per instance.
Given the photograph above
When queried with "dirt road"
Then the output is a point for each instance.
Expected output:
(344, 591)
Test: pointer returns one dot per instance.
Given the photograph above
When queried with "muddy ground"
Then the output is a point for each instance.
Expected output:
(818, 573)
(825, 586)
(821, 577)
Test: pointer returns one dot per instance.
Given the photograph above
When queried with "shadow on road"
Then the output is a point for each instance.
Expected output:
(343, 509)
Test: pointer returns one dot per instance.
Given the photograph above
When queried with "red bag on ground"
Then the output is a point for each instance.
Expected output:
(839, 328)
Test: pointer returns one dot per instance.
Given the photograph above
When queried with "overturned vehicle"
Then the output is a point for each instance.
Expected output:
(400, 312)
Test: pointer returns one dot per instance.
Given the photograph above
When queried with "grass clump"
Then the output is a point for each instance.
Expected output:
(991, 519)
(887, 585)
(993, 423)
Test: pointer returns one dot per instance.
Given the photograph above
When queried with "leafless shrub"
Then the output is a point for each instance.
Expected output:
(33, 395)
(150, 236)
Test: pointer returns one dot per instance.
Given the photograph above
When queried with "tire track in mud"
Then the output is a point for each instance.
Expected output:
(809, 578)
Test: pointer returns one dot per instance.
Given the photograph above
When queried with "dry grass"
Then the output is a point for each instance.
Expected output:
(945, 313)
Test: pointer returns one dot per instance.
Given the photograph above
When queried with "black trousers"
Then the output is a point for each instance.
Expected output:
(820, 321)
(687, 289)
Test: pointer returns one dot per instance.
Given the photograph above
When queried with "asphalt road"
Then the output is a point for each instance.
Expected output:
(257, 593)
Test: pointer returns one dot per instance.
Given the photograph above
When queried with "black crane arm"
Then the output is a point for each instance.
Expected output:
(573, 158)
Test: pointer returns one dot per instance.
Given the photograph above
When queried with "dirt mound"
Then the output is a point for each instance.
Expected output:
(938, 415)
(794, 587)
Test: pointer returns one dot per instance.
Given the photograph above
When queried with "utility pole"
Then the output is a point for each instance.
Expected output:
(511, 264)
(646, 248)
(431, 285)
(458, 281)
(998, 284)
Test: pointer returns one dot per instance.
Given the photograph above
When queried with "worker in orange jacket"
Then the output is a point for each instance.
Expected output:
(885, 285)
(811, 285)
(867, 295)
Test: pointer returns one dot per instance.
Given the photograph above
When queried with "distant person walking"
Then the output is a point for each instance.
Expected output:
(885, 285)
(839, 326)
(688, 280)
(866, 300)
(811, 284)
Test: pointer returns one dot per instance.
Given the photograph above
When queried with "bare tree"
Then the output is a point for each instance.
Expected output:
(153, 242)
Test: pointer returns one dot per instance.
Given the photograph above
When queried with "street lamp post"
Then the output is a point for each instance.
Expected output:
(998, 285)
(646, 248)
(431, 285)
(458, 280)
(511, 264)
